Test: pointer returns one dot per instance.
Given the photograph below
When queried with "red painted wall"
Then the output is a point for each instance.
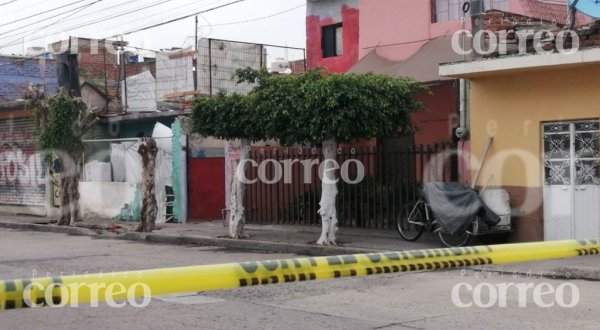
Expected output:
(440, 118)
(350, 32)
(206, 177)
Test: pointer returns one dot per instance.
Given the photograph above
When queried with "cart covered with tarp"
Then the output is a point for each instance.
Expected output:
(456, 206)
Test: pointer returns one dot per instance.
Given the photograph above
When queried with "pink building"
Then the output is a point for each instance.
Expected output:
(340, 32)
(398, 29)
(408, 38)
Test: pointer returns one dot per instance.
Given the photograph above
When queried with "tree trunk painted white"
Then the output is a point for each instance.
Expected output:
(329, 191)
(148, 151)
(69, 188)
(237, 216)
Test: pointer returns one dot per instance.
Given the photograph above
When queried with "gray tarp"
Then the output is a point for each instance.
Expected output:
(454, 206)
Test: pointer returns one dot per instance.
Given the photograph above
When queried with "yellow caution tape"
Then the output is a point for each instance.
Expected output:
(92, 288)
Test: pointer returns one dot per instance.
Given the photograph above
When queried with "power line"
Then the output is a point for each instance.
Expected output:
(142, 48)
(258, 18)
(27, 31)
(104, 19)
(151, 26)
(7, 3)
(40, 21)
(58, 21)
(175, 19)
(194, 6)
(20, 9)
(44, 12)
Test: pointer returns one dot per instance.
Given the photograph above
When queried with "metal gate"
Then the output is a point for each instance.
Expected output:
(571, 180)
(391, 178)
(22, 176)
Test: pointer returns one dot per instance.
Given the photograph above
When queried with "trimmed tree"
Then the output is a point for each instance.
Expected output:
(315, 107)
(229, 117)
(61, 122)
(324, 109)
(148, 151)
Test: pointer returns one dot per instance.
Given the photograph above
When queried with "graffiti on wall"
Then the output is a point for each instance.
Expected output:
(19, 168)
(22, 175)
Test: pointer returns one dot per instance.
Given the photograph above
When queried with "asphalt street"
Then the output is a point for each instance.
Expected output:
(420, 300)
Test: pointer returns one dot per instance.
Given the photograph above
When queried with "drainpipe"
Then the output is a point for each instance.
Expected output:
(475, 7)
(462, 132)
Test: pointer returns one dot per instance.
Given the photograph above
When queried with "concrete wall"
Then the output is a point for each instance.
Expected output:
(94, 99)
(174, 73)
(106, 200)
(218, 60)
(511, 108)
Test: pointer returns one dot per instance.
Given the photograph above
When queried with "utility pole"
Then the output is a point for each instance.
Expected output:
(196, 57)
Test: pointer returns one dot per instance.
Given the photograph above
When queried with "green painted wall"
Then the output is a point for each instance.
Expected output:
(177, 187)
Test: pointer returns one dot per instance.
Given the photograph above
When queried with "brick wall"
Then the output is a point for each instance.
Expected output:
(95, 59)
(298, 66)
(17, 73)
(509, 26)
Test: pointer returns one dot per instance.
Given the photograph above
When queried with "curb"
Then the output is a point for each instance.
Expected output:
(239, 244)
(591, 274)
(246, 244)
(49, 228)
(558, 273)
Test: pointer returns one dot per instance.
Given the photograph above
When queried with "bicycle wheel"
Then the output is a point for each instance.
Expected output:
(410, 231)
(459, 240)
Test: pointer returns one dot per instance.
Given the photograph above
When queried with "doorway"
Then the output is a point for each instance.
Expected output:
(571, 180)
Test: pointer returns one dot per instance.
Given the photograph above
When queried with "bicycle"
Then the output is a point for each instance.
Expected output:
(414, 218)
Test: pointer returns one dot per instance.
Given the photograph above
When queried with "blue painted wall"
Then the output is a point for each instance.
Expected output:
(17, 73)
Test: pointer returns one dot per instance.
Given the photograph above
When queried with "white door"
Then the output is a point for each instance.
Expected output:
(571, 180)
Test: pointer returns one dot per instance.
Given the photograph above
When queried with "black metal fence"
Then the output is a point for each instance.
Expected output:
(292, 191)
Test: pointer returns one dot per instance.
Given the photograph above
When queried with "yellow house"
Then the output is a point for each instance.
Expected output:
(543, 113)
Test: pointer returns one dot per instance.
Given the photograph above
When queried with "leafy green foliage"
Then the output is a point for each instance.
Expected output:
(61, 120)
(59, 132)
(311, 107)
(63, 129)
(250, 75)
(355, 106)
(225, 117)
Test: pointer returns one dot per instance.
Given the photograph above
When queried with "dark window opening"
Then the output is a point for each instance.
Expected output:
(332, 40)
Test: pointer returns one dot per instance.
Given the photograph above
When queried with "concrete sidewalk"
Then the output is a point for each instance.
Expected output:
(298, 239)
(274, 238)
